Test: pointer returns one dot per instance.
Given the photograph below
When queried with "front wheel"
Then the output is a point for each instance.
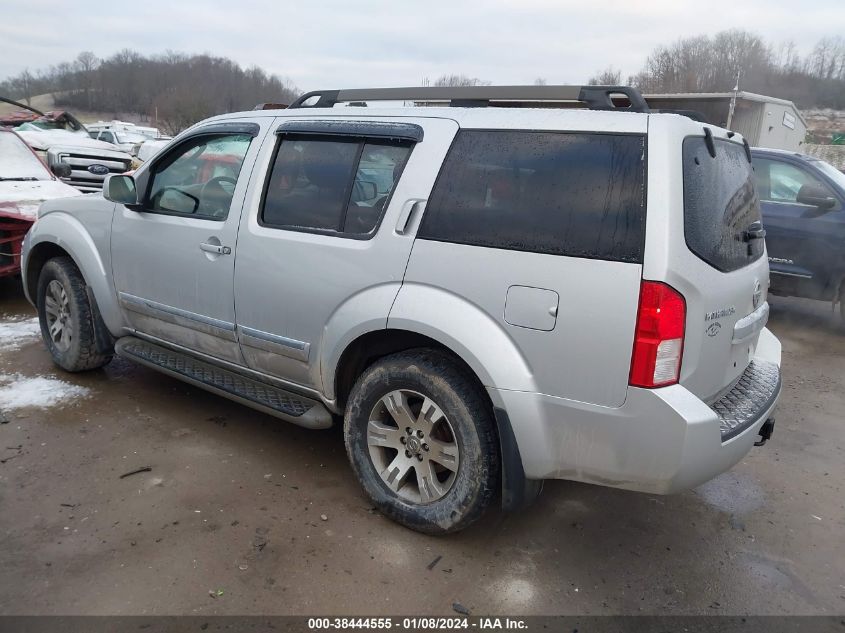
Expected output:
(422, 440)
(67, 318)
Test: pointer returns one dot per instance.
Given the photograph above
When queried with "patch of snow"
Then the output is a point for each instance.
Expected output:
(18, 392)
(14, 333)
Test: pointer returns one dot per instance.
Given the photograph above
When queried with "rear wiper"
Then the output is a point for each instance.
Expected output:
(755, 231)
(20, 178)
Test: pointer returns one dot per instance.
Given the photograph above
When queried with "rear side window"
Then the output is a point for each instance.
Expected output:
(332, 185)
(720, 203)
(575, 194)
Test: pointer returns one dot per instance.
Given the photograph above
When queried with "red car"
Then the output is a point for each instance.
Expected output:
(25, 182)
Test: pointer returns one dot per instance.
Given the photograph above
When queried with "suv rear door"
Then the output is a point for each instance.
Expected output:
(322, 250)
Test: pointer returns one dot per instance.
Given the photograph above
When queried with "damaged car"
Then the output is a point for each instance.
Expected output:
(25, 182)
(60, 138)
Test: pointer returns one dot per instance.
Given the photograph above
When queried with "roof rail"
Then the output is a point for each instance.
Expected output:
(595, 97)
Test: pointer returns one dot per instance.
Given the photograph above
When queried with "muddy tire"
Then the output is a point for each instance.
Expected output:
(67, 319)
(421, 438)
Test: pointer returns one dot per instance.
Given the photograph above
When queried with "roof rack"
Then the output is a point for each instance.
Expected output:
(595, 97)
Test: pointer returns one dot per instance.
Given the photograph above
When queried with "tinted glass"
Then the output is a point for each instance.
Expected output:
(778, 181)
(720, 203)
(310, 183)
(338, 185)
(572, 194)
(199, 177)
(378, 171)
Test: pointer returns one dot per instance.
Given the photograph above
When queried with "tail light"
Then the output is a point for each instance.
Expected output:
(659, 337)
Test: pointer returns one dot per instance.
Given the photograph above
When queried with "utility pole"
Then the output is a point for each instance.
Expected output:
(733, 101)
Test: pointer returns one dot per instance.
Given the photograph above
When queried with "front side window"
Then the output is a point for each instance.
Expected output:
(198, 179)
(573, 194)
(778, 181)
(334, 185)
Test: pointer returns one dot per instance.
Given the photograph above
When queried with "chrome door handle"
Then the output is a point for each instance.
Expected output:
(215, 248)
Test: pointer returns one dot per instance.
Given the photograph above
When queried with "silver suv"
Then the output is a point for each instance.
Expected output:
(489, 296)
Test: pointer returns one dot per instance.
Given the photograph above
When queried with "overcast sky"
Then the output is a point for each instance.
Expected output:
(336, 44)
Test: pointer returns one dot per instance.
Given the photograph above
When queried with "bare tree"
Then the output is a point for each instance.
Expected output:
(22, 86)
(86, 63)
(540, 81)
(712, 64)
(608, 77)
(459, 80)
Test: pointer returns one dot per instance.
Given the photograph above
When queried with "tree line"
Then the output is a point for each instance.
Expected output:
(174, 90)
(736, 57)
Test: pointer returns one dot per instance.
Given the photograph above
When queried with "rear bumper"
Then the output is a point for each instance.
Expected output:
(660, 441)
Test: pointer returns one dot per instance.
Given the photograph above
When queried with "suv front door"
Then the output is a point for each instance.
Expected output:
(802, 241)
(173, 254)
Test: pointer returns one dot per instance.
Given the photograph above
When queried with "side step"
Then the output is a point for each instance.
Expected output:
(277, 402)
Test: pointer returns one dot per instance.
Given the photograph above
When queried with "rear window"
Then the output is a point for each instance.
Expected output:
(574, 194)
(720, 203)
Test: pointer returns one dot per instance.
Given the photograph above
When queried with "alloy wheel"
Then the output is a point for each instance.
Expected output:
(413, 446)
(59, 321)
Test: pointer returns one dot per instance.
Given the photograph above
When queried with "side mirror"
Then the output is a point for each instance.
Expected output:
(120, 188)
(815, 196)
(61, 170)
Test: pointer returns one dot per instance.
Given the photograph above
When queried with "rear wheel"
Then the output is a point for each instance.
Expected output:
(67, 318)
(422, 441)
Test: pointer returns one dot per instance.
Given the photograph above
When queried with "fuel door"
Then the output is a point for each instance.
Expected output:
(533, 308)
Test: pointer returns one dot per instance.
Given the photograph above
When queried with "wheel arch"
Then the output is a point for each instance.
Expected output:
(61, 235)
(517, 491)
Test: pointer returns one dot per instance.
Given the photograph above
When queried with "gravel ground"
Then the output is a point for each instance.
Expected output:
(229, 520)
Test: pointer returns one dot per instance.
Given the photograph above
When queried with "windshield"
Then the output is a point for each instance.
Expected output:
(834, 174)
(129, 137)
(17, 162)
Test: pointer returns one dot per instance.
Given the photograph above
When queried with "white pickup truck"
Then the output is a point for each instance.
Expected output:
(58, 137)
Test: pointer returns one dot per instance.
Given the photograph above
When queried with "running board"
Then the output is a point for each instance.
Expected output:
(277, 402)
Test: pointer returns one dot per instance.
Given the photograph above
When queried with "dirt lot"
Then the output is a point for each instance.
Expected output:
(233, 505)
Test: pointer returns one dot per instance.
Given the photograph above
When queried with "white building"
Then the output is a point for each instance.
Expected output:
(764, 121)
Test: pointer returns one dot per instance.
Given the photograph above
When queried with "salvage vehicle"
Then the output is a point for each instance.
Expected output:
(150, 148)
(60, 138)
(490, 296)
(125, 141)
(25, 183)
(803, 204)
(147, 132)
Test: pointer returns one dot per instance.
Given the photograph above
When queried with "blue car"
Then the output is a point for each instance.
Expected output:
(803, 203)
